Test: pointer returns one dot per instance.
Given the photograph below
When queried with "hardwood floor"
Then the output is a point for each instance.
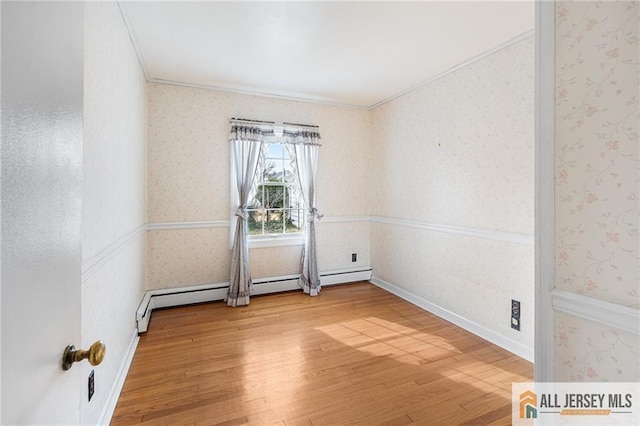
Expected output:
(355, 354)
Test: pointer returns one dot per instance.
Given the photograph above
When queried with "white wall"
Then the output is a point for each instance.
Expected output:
(596, 188)
(452, 182)
(188, 175)
(114, 197)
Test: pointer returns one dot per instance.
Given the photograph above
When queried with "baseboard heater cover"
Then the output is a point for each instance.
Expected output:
(164, 298)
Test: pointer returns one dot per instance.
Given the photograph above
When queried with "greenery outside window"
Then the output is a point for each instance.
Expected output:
(277, 208)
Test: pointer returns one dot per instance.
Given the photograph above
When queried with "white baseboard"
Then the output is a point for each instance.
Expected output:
(512, 346)
(154, 299)
(114, 393)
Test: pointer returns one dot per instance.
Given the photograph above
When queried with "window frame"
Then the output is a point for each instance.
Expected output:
(263, 240)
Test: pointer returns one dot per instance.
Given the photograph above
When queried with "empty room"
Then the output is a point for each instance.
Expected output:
(319, 213)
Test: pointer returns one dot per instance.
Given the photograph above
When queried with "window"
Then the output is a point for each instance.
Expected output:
(277, 208)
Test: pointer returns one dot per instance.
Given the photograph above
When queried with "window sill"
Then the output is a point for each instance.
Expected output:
(278, 240)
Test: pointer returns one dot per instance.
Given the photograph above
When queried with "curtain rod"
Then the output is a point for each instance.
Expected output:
(272, 122)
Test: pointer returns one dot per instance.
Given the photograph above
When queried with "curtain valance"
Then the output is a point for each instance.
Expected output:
(264, 132)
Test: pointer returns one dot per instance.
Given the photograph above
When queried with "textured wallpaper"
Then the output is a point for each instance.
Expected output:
(189, 159)
(590, 352)
(183, 257)
(188, 180)
(597, 98)
(475, 278)
(114, 154)
(114, 190)
(459, 152)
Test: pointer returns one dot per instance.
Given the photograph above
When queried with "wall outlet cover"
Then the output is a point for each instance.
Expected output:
(91, 384)
(515, 314)
(515, 324)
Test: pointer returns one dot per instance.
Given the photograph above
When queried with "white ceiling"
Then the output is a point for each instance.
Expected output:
(355, 53)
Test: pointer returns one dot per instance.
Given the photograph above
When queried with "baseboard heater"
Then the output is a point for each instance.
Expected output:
(154, 299)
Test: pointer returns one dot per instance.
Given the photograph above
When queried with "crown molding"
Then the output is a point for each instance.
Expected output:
(132, 37)
(454, 68)
(265, 94)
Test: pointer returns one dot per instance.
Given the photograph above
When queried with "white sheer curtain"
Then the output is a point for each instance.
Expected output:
(306, 160)
(246, 158)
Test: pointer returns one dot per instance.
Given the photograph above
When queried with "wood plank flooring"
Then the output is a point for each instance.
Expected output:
(355, 354)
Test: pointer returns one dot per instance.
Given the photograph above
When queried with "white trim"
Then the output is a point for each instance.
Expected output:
(94, 264)
(277, 240)
(114, 393)
(612, 315)
(165, 226)
(455, 68)
(259, 93)
(343, 219)
(133, 39)
(510, 345)
(544, 365)
(509, 237)
(168, 297)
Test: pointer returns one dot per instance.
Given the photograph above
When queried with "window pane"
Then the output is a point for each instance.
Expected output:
(277, 206)
(255, 220)
(294, 220)
(275, 150)
(274, 196)
(273, 221)
(256, 201)
(295, 198)
(273, 171)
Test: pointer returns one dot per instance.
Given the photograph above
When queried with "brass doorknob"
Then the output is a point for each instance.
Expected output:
(95, 355)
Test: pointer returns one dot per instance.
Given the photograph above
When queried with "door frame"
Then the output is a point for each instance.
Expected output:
(544, 342)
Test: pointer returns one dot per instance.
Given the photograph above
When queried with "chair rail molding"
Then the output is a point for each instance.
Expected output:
(612, 315)
(510, 237)
(92, 265)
